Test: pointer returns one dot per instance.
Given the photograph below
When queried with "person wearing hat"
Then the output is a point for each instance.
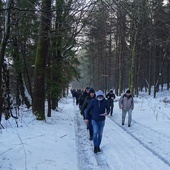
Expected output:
(83, 111)
(110, 97)
(100, 109)
(126, 103)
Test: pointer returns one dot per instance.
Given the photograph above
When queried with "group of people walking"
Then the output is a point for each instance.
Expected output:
(94, 107)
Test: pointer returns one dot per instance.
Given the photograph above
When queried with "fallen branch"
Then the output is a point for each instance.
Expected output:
(2, 126)
(5, 151)
(63, 136)
(24, 152)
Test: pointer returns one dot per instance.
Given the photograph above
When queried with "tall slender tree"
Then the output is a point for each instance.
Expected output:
(4, 40)
(38, 105)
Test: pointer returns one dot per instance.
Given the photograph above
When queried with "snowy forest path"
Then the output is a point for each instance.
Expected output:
(124, 150)
(148, 138)
(87, 160)
(120, 148)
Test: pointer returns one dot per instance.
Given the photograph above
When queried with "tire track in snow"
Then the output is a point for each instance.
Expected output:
(87, 160)
(162, 158)
(101, 161)
(83, 159)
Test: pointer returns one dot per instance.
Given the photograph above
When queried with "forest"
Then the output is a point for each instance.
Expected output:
(106, 44)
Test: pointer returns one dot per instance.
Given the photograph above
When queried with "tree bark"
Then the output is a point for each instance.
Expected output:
(40, 62)
(3, 47)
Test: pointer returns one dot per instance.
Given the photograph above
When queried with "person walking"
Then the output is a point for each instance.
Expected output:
(101, 109)
(83, 96)
(83, 111)
(77, 95)
(126, 103)
(110, 97)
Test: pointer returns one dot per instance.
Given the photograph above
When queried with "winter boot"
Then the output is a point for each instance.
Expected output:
(98, 149)
(95, 149)
(91, 138)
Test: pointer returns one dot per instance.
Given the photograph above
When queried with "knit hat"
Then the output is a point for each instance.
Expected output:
(111, 91)
(99, 93)
(88, 88)
(128, 91)
(92, 90)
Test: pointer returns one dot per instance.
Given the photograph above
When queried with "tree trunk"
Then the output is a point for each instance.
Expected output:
(26, 70)
(132, 67)
(3, 47)
(49, 86)
(168, 77)
(20, 82)
(40, 62)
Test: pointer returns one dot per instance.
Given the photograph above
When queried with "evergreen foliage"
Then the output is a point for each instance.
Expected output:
(105, 44)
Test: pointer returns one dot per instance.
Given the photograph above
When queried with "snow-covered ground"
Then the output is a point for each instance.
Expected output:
(62, 142)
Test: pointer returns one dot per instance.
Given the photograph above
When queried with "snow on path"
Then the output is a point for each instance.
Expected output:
(63, 143)
(87, 160)
(120, 150)
(154, 139)
(125, 152)
(41, 145)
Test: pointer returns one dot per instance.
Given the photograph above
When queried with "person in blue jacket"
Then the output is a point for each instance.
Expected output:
(101, 109)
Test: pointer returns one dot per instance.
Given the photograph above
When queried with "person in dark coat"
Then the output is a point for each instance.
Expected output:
(83, 111)
(77, 95)
(83, 96)
(73, 92)
(101, 109)
(110, 97)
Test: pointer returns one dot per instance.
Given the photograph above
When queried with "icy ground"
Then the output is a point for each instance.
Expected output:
(61, 143)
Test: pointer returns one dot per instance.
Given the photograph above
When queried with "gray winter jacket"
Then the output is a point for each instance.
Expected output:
(126, 102)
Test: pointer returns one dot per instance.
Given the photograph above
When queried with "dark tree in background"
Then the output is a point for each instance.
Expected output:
(5, 32)
(38, 104)
(105, 44)
(136, 47)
